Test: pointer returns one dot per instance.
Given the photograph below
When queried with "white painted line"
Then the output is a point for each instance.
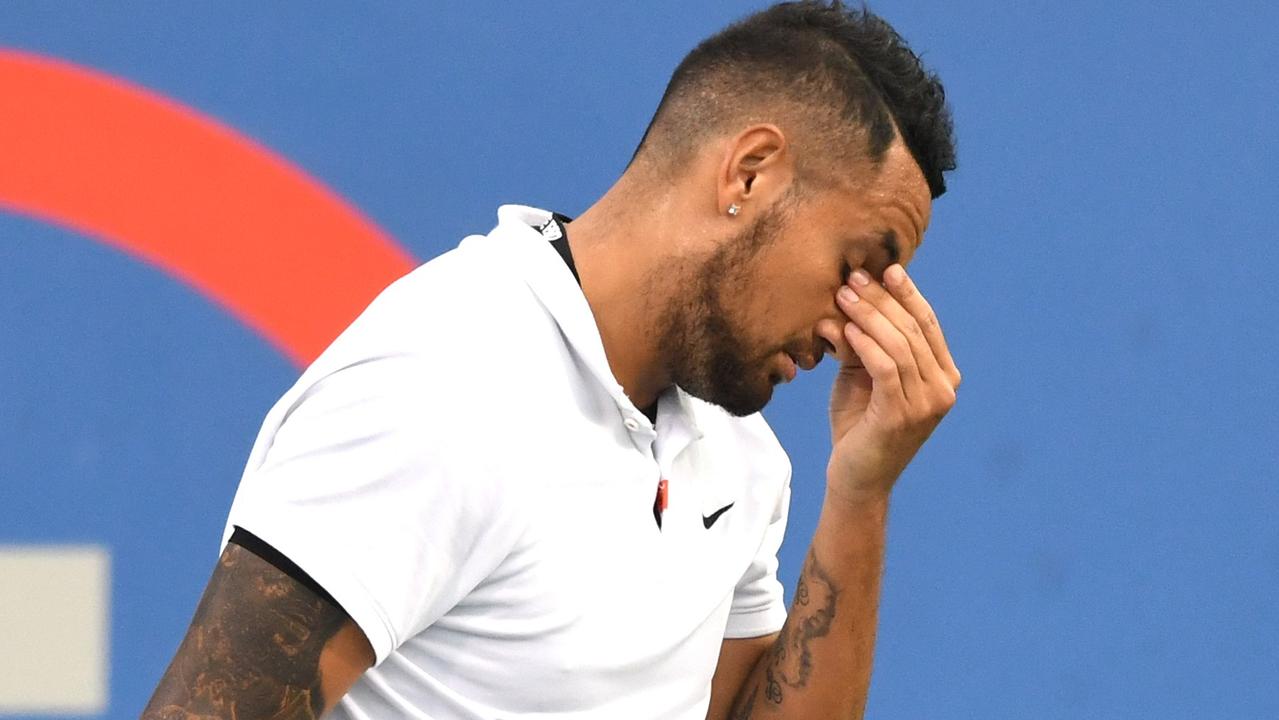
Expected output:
(54, 621)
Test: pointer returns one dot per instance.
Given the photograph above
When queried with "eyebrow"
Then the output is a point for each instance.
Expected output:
(889, 242)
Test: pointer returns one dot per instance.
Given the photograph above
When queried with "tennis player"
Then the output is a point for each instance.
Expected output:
(531, 480)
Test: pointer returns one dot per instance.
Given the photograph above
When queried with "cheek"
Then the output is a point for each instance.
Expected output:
(779, 306)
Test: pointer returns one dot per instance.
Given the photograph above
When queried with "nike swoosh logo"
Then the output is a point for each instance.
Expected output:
(709, 520)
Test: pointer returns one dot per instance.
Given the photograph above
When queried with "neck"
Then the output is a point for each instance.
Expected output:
(620, 245)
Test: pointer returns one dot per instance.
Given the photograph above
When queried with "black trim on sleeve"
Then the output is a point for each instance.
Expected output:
(262, 549)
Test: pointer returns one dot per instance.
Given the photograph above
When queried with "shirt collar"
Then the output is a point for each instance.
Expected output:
(551, 281)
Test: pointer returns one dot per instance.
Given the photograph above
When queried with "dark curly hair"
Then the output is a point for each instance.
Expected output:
(844, 73)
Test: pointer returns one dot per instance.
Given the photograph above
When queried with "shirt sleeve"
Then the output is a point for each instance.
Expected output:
(758, 603)
(369, 480)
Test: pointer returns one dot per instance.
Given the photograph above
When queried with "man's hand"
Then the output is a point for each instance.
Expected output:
(887, 400)
(896, 383)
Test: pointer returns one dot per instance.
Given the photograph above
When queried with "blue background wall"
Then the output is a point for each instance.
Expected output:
(1090, 534)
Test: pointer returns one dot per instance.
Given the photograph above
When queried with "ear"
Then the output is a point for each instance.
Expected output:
(757, 167)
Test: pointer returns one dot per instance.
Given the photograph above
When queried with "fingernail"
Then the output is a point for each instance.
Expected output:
(895, 274)
(860, 277)
(852, 329)
(846, 294)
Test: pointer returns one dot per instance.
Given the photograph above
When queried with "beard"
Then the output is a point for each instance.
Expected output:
(705, 344)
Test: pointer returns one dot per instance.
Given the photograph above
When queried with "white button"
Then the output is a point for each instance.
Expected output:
(631, 424)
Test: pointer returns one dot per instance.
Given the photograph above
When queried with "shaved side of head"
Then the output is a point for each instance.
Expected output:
(841, 83)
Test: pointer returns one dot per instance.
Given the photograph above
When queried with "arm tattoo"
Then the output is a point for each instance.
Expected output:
(789, 663)
(744, 708)
(811, 616)
(253, 649)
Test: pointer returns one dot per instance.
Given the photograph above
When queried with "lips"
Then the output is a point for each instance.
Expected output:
(794, 362)
(790, 368)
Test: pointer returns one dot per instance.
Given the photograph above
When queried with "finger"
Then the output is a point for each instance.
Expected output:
(900, 284)
(831, 331)
(901, 319)
(871, 321)
(883, 370)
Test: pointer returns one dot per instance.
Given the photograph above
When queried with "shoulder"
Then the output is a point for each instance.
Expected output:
(450, 324)
(430, 353)
(462, 295)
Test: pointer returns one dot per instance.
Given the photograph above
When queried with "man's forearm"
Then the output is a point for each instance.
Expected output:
(820, 665)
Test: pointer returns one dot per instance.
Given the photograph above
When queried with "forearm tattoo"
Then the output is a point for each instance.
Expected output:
(789, 664)
(253, 649)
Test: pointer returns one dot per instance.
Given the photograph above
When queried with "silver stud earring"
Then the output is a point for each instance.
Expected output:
(734, 209)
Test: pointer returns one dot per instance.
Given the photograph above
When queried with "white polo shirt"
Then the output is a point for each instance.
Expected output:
(465, 476)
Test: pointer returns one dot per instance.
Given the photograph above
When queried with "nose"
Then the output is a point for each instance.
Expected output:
(831, 330)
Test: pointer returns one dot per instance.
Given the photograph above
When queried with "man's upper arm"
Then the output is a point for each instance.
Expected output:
(737, 657)
(261, 645)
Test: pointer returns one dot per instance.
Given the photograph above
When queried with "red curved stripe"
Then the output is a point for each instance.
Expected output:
(285, 255)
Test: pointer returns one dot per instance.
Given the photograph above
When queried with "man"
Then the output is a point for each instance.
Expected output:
(531, 480)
